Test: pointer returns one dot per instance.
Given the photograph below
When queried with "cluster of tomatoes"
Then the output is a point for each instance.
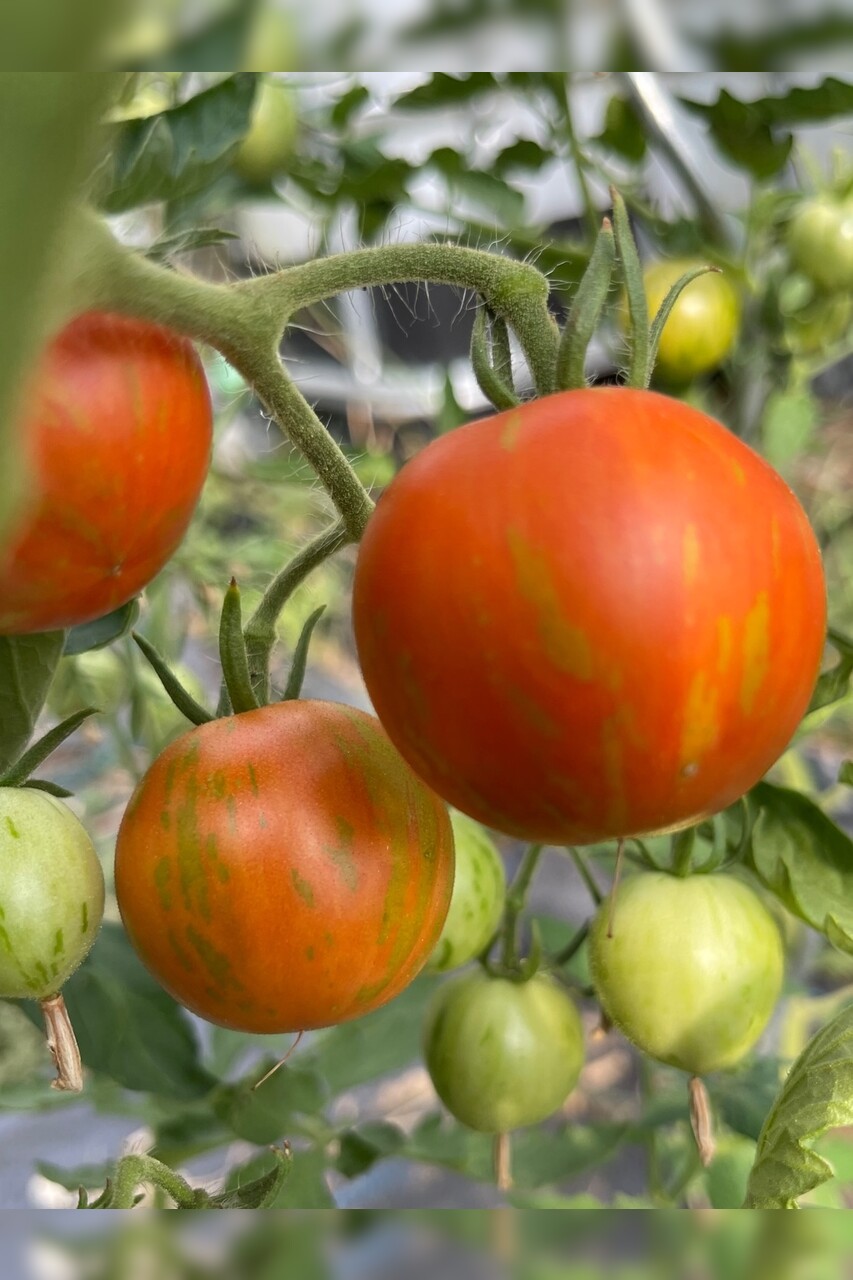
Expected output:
(595, 616)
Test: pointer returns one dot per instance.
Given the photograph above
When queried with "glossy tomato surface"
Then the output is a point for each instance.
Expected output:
(284, 868)
(693, 970)
(502, 1054)
(597, 615)
(702, 326)
(118, 422)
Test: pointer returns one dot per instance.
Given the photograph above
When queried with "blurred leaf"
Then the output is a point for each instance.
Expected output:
(742, 1098)
(262, 1192)
(126, 1024)
(623, 130)
(348, 105)
(805, 860)
(219, 42)
(788, 426)
(451, 414)
(27, 666)
(361, 1148)
(845, 773)
(81, 1175)
(446, 90)
(374, 1046)
(774, 45)
(170, 246)
(816, 1096)
(834, 685)
(524, 153)
(483, 189)
(179, 151)
(750, 132)
(539, 1156)
(265, 1114)
(103, 631)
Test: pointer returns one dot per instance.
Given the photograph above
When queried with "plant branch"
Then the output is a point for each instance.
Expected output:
(585, 874)
(515, 900)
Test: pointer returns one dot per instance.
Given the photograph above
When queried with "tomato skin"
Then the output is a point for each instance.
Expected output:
(600, 614)
(477, 902)
(268, 146)
(284, 869)
(703, 325)
(502, 1054)
(693, 970)
(51, 893)
(820, 242)
(119, 426)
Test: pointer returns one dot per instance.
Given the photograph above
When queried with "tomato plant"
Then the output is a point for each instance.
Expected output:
(284, 869)
(820, 242)
(629, 637)
(118, 423)
(693, 968)
(51, 893)
(502, 1054)
(479, 890)
(702, 327)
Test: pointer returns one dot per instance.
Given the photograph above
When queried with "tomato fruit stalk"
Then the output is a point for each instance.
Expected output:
(284, 869)
(118, 424)
(596, 615)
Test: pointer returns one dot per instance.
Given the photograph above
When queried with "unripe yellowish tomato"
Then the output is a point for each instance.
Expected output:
(703, 325)
(267, 147)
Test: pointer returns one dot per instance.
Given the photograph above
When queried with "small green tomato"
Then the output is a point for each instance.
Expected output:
(479, 893)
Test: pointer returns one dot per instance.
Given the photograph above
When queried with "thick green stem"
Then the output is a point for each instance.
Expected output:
(513, 290)
(515, 901)
(259, 632)
(134, 1170)
(682, 851)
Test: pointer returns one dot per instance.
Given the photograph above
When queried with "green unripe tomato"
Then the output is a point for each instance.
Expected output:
(51, 893)
(703, 325)
(267, 147)
(819, 324)
(693, 969)
(479, 893)
(502, 1054)
(820, 243)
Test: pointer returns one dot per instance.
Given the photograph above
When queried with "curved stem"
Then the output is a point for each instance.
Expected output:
(133, 1170)
(62, 1043)
(259, 631)
(585, 874)
(515, 901)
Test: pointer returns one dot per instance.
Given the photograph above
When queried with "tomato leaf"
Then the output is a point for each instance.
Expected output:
(304, 1188)
(102, 631)
(81, 1175)
(27, 666)
(805, 860)
(127, 1026)
(178, 151)
(816, 1096)
(169, 246)
(834, 684)
(361, 1148)
(743, 1097)
(444, 90)
(262, 1192)
(623, 130)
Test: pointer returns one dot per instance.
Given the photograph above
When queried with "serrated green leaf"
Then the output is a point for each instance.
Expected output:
(805, 860)
(27, 666)
(816, 1096)
(623, 130)
(126, 1026)
(102, 631)
(179, 151)
(744, 134)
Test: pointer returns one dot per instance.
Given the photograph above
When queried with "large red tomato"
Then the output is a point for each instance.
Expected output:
(595, 615)
(284, 868)
(118, 422)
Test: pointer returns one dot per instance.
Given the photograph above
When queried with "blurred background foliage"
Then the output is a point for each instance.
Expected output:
(230, 174)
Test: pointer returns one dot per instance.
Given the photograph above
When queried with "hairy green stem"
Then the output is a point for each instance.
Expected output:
(259, 631)
(133, 1170)
(515, 900)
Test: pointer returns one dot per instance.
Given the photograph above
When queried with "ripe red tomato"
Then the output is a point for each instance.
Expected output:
(599, 614)
(284, 868)
(119, 425)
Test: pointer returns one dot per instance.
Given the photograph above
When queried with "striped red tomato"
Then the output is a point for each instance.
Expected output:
(284, 868)
(118, 424)
(596, 615)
